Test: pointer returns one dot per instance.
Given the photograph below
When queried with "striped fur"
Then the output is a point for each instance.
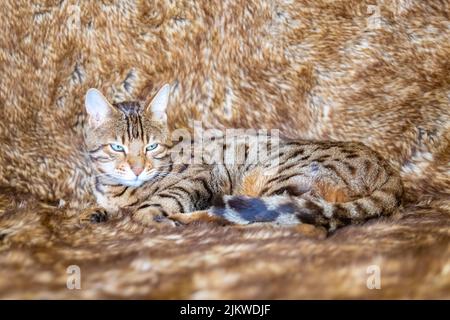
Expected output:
(289, 209)
(329, 184)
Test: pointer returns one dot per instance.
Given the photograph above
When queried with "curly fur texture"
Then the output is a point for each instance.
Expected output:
(314, 69)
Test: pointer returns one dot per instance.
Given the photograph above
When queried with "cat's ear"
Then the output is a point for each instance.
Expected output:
(157, 107)
(97, 107)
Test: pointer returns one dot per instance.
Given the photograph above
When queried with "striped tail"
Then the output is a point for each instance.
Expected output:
(289, 209)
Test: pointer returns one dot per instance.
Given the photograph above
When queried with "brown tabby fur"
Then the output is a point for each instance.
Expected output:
(311, 68)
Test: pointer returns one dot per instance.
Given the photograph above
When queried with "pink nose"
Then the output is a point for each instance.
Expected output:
(137, 170)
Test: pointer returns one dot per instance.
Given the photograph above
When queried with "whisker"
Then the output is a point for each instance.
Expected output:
(103, 175)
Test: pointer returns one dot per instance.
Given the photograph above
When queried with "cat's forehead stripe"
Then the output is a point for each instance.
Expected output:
(129, 108)
(132, 112)
(134, 127)
(141, 127)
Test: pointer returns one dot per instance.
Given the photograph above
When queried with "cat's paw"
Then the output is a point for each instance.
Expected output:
(199, 217)
(93, 215)
(152, 216)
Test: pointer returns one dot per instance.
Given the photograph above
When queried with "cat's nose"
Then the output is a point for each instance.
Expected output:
(137, 170)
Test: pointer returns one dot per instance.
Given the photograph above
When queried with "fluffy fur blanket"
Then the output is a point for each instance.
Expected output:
(39, 246)
(375, 72)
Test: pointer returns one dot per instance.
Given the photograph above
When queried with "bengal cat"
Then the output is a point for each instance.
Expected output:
(327, 184)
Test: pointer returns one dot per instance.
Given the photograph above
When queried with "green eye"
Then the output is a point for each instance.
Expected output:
(152, 146)
(117, 147)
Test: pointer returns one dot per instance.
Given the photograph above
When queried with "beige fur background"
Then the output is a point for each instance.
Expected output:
(376, 72)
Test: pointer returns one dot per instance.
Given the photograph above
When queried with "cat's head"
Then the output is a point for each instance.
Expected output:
(127, 142)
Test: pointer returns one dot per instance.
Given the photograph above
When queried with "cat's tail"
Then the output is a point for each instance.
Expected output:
(288, 209)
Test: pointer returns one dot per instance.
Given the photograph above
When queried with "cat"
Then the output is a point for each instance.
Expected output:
(328, 184)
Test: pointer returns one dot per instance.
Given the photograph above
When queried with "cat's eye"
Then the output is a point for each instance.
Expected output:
(152, 146)
(117, 147)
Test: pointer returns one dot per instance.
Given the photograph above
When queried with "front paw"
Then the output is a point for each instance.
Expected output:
(93, 215)
(199, 217)
(152, 216)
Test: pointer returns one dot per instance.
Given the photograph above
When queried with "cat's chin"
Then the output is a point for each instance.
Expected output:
(131, 183)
